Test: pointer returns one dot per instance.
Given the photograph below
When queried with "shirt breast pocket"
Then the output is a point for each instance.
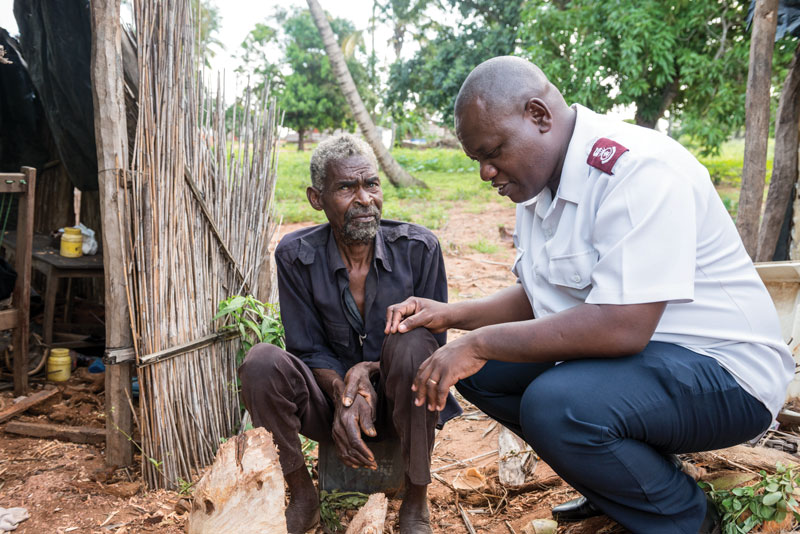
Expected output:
(338, 333)
(573, 270)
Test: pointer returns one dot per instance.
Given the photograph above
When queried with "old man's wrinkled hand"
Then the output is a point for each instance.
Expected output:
(354, 414)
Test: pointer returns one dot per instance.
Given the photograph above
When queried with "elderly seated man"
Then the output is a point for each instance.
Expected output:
(340, 375)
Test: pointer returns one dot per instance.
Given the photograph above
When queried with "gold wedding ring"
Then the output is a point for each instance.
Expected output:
(432, 381)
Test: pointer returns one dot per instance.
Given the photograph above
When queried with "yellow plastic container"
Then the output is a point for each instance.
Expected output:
(72, 243)
(59, 365)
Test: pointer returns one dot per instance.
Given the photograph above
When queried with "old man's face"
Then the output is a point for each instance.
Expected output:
(352, 199)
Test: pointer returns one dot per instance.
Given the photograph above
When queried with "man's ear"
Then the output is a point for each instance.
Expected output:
(314, 196)
(539, 112)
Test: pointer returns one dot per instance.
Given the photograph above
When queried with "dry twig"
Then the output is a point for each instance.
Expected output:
(467, 522)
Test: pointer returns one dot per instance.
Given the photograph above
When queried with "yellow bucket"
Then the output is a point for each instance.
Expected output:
(59, 365)
(72, 243)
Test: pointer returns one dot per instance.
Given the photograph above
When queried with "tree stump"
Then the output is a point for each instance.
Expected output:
(243, 490)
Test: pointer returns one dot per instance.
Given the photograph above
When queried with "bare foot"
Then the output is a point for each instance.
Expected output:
(302, 514)
(414, 515)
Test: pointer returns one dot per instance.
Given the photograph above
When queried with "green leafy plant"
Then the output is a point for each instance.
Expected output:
(255, 321)
(746, 507)
(332, 503)
(308, 446)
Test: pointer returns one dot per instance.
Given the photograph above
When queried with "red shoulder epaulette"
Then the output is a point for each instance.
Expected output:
(604, 154)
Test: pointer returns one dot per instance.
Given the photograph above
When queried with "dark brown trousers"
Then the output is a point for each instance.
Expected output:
(281, 394)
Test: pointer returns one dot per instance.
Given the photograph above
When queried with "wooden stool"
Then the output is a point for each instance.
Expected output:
(389, 478)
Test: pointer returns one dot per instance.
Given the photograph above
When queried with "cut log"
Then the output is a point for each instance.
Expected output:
(746, 458)
(28, 402)
(75, 434)
(243, 489)
(371, 517)
(789, 417)
(514, 454)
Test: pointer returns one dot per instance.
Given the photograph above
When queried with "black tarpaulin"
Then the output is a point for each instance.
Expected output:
(788, 18)
(23, 130)
(56, 41)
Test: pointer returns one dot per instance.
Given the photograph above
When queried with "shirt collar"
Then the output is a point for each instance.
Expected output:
(335, 258)
(575, 171)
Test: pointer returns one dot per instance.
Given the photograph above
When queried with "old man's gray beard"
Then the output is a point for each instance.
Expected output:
(361, 232)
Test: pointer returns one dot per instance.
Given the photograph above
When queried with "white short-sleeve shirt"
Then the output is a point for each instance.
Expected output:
(654, 230)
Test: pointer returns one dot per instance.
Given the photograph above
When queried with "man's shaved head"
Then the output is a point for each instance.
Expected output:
(504, 84)
(516, 125)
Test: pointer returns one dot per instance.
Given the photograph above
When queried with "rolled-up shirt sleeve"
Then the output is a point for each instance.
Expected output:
(305, 334)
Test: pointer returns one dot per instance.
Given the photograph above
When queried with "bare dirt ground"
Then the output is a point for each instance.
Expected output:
(66, 487)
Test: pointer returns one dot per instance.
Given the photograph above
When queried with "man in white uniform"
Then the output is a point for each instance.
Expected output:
(639, 328)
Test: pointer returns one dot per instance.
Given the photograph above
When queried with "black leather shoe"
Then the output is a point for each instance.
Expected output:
(711, 522)
(580, 508)
(575, 510)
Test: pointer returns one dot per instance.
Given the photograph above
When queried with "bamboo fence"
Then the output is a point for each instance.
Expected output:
(200, 204)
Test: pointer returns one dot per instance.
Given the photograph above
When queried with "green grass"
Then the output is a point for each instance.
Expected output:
(452, 180)
(484, 247)
(726, 167)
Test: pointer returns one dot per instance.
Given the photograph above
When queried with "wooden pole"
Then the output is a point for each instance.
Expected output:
(112, 160)
(762, 41)
(784, 167)
(22, 288)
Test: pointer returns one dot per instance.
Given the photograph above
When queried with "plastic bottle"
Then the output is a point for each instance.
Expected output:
(59, 365)
(72, 243)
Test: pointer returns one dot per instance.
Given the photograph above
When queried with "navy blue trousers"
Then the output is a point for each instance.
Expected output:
(604, 425)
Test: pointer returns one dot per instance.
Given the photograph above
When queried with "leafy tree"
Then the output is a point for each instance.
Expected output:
(256, 50)
(394, 172)
(686, 57)
(304, 80)
(207, 22)
(405, 16)
(429, 82)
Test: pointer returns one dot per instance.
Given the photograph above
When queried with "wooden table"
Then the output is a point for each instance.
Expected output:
(54, 267)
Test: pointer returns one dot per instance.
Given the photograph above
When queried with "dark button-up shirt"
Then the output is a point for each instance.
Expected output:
(322, 327)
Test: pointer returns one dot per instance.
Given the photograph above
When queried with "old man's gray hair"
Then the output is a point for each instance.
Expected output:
(334, 149)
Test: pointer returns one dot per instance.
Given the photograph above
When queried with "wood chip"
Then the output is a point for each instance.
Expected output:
(110, 516)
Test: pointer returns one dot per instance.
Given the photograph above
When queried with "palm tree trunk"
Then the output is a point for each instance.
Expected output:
(396, 174)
